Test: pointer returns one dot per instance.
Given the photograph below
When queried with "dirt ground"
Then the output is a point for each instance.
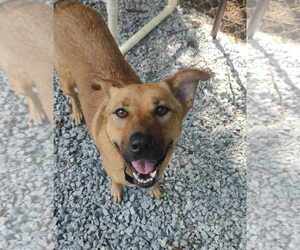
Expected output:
(235, 17)
(281, 17)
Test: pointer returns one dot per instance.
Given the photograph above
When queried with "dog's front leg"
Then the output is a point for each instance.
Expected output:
(22, 85)
(76, 110)
(68, 86)
(116, 191)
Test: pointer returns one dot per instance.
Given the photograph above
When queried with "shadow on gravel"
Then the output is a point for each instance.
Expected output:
(234, 71)
(282, 75)
(273, 143)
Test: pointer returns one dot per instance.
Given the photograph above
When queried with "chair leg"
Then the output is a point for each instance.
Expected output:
(258, 15)
(112, 11)
(131, 42)
(218, 19)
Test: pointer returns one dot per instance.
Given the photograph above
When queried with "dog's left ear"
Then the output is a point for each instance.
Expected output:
(100, 84)
(184, 84)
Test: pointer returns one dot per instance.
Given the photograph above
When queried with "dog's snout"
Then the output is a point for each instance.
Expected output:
(140, 142)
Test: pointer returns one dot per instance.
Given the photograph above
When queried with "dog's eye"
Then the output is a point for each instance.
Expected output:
(161, 110)
(121, 113)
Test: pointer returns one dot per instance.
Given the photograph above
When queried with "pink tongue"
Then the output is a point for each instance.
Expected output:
(143, 167)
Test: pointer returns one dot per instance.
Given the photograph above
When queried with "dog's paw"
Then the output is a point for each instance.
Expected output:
(155, 192)
(36, 114)
(117, 192)
(76, 113)
(76, 116)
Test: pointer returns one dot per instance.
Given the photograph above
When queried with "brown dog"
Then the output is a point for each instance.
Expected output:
(135, 126)
(26, 54)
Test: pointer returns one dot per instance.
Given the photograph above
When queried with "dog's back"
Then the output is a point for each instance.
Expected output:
(83, 39)
(87, 52)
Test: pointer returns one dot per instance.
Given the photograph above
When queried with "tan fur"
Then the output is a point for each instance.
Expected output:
(88, 59)
(26, 54)
(86, 52)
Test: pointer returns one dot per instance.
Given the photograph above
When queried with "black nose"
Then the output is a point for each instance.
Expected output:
(140, 142)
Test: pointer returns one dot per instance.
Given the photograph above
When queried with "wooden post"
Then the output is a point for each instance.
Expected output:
(258, 15)
(218, 19)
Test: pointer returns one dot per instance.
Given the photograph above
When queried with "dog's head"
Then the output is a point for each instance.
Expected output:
(143, 121)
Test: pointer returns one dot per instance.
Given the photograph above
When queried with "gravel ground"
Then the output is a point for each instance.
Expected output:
(206, 186)
(274, 144)
(26, 177)
(204, 206)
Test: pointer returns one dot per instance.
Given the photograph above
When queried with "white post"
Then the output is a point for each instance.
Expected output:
(112, 12)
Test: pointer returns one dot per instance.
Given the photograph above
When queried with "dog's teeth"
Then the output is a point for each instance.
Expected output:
(153, 174)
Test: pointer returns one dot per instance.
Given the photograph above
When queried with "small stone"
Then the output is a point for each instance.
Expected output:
(163, 242)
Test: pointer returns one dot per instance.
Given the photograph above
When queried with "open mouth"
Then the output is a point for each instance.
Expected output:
(145, 172)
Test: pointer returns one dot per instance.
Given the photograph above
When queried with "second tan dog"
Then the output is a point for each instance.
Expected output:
(135, 126)
(26, 54)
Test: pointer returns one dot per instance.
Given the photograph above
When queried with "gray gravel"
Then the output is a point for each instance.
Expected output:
(26, 177)
(274, 144)
(206, 186)
(204, 206)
